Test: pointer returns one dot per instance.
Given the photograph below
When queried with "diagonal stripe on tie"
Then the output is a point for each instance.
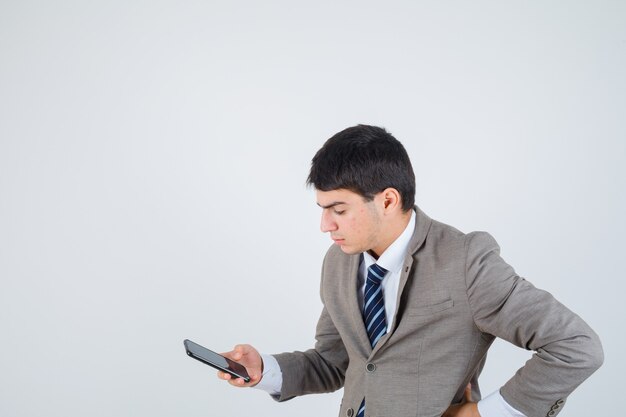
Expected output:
(361, 412)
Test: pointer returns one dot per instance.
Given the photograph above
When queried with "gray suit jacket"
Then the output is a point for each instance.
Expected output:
(456, 295)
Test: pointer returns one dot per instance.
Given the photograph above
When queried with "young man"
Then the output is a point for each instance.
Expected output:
(411, 305)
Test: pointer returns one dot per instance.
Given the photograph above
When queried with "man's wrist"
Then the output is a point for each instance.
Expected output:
(271, 376)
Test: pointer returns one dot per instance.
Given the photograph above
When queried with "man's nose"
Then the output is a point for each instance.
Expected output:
(327, 224)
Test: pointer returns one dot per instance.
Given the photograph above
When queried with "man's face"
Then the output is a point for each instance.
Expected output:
(353, 223)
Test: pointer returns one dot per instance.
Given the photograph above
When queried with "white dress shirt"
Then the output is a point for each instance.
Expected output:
(392, 260)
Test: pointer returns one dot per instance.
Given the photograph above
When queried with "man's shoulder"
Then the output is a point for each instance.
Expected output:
(446, 231)
(442, 236)
(440, 233)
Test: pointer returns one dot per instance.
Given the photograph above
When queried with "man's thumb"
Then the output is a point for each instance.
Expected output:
(468, 393)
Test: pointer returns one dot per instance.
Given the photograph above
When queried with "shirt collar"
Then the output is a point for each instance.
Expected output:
(392, 258)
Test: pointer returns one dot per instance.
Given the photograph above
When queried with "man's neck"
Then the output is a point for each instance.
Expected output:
(394, 229)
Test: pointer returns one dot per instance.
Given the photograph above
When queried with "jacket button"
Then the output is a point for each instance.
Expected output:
(349, 412)
(556, 407)
(370, 367)
(560, 402)
(551, 413)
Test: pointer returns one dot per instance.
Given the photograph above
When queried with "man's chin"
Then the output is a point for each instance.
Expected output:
(349, 250)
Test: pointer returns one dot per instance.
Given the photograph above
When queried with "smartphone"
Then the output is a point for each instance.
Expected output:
(216, 360)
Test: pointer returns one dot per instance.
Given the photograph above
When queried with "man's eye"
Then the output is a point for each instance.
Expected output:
(339, 212)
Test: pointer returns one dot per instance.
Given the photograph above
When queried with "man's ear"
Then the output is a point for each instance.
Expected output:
(392, 201)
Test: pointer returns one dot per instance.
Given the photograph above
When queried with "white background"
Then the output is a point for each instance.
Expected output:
(153, 157)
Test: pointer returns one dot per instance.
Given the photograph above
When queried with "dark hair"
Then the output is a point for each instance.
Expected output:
(366, 160)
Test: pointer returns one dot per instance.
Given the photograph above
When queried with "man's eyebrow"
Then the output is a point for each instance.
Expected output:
(333, 204)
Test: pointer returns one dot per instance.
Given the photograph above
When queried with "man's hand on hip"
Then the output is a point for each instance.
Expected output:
(467, 408)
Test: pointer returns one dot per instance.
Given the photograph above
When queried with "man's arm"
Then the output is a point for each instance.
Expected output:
(567, 350)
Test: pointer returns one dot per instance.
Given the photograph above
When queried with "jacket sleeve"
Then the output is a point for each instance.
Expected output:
(317, 370)
(567, 350)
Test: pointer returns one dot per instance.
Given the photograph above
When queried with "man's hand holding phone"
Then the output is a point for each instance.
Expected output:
(249, 357)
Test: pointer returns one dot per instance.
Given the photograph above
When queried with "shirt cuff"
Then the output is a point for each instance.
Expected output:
(494, 405)
(272, 379)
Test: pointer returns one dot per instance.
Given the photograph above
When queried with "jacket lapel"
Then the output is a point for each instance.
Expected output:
(422, 226)
(351, 290)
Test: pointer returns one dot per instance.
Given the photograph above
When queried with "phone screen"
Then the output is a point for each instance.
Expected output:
(216, 360)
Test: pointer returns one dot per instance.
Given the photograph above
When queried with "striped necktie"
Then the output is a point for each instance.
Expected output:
(374, 304)
(373, 311)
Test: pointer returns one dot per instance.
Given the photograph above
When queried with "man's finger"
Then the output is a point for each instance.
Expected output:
(468, 393)
(240, 350)
(223, 375)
